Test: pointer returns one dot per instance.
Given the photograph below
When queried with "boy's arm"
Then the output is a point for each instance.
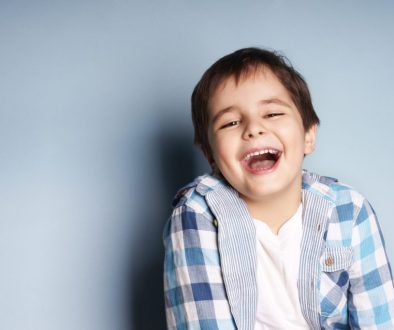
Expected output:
(371, 292)
(194, 293)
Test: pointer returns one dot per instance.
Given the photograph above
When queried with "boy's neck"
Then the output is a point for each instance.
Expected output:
(277, 209)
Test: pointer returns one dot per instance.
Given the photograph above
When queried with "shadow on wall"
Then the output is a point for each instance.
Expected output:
(176, 167)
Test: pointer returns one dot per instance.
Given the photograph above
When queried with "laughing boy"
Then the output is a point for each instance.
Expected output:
(261, 243)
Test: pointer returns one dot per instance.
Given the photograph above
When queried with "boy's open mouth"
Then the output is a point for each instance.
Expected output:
(262, 160)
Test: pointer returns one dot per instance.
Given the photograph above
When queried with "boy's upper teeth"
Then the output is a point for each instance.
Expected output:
(261, 152)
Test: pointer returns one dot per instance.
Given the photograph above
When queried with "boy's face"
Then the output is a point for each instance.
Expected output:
(257, 136)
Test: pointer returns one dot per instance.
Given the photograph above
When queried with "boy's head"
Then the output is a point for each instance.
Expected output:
(254, 121)
(239, 65)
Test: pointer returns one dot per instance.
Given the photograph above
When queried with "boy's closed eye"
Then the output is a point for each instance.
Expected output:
(233, 123)
(230, 124)
(274, 114)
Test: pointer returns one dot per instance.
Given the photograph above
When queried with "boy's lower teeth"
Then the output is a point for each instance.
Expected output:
(262, 164)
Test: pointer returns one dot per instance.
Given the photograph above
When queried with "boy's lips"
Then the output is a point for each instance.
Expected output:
(261, 160)
(259, 151)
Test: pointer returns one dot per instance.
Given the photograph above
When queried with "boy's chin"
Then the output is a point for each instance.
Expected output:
(260, 194)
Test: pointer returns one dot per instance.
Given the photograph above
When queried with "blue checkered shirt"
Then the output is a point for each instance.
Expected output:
(344, 282)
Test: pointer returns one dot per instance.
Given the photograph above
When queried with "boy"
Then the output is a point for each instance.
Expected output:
(261, 243)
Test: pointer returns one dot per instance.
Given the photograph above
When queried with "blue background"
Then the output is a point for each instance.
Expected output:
(96, 136)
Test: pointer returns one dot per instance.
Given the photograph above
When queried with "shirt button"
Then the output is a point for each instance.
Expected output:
(215, 222)
(329, 261)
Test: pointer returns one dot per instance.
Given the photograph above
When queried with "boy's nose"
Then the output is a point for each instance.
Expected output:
(253, 131)
(250, 135)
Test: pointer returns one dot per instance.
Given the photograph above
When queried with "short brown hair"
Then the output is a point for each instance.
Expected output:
(240, 64)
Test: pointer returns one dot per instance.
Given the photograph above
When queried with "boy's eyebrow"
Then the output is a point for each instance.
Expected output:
(276, 101)
(262, 102)
(221, 113)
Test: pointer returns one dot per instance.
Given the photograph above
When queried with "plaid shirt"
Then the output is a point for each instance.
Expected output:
(210, 280)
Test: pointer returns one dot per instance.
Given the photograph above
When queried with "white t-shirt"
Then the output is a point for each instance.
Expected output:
(278, 256)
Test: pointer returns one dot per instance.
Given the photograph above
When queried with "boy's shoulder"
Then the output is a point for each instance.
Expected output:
(331, 188)
(193, 193)
(200, 186)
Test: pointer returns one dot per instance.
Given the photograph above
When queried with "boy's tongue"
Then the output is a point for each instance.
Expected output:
(261, 162)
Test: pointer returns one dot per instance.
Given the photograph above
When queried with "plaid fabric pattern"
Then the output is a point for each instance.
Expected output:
(195, 296)
(354, 287)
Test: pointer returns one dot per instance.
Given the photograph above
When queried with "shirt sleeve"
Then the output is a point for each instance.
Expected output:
(371, 292)
(194, 293)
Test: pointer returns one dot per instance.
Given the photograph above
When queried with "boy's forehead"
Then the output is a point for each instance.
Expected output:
(233, 81)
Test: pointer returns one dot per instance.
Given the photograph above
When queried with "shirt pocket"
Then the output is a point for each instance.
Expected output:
(334, 280)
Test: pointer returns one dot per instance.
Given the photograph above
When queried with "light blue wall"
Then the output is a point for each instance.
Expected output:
(95, 136)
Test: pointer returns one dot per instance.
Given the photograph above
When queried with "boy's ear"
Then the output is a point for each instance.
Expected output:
(310, 139)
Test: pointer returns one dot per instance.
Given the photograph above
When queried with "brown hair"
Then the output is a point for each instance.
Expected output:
(240, 64)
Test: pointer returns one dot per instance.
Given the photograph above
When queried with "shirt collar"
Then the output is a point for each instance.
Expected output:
(312, 182)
